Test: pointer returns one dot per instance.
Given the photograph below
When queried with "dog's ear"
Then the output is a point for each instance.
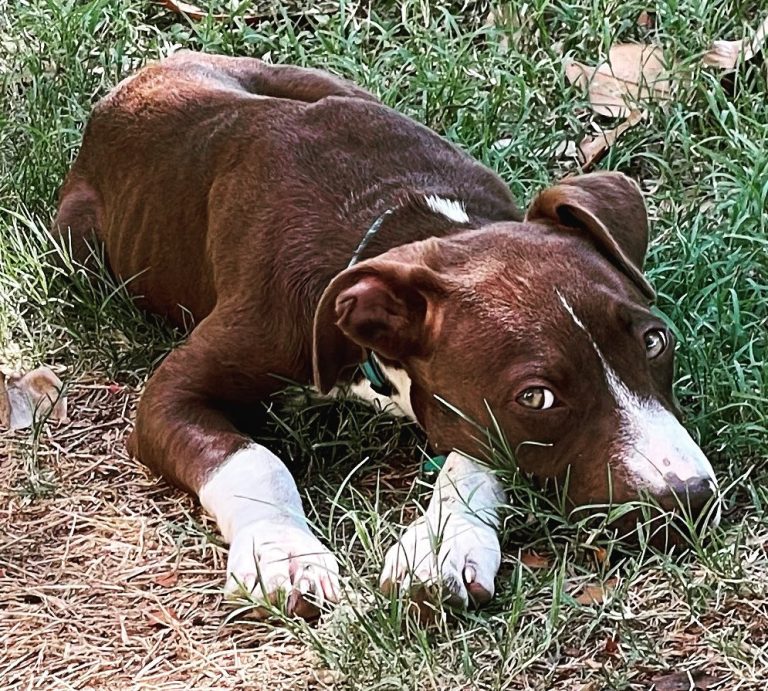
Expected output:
(610, 207)
(385, 306)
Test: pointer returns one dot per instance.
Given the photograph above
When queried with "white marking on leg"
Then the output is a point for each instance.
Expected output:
(257, 507)
(455, 544)
(252, 485)
(451, 209)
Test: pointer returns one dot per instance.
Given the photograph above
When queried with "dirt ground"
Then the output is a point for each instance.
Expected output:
(109, 578)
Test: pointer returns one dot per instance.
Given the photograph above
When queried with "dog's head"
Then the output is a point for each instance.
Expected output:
(546, 323)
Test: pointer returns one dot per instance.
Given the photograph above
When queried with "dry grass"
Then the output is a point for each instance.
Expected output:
(109, 578)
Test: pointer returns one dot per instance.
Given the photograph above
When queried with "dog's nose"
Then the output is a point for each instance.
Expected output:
(691, 496)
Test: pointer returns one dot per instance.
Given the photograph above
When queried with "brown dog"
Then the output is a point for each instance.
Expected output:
(240, 193)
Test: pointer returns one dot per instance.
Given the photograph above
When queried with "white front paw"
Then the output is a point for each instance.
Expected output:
(456, 562)
(281, 564)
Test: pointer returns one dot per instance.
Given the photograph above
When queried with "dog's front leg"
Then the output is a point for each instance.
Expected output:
(452, 552)
(273, 554)
(183, 432)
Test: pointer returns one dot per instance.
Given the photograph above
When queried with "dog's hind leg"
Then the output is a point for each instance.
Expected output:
(77, 220)
(277, 81)
(185, 433)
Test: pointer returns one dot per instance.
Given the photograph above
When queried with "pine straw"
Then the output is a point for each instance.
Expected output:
(109, 578)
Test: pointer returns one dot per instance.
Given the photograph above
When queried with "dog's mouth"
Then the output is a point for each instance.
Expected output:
(661, 521)
(679, 513)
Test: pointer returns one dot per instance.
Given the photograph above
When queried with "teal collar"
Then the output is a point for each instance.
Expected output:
(375, 375)
(371, 367)
(433, 465)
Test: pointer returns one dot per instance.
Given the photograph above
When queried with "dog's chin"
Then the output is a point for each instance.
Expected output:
(638, 524)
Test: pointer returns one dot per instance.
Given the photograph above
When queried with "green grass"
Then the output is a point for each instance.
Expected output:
(703, 161)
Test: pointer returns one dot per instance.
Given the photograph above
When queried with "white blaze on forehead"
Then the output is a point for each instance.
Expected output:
(659, 453)
(452, 210)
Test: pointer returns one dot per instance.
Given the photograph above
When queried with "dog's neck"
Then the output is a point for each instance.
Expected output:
(425, 214)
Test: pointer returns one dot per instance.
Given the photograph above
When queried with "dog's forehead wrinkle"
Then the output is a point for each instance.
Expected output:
(505, 310)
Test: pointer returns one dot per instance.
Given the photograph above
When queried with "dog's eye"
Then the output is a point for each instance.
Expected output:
(537, 398)
(655, 343)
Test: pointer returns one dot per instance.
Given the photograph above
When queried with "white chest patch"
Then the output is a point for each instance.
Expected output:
(400, 401)
(452, 210)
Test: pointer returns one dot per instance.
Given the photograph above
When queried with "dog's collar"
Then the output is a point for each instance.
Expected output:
(373, 372)
(433, 465)
(371, 368)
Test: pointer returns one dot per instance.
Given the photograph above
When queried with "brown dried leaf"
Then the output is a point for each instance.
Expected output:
(197, 13)
(534, 561)
(646, 19)
(596, 593)
(592, 149)
(633, 73)
(161, 616)
(167, 580)
(5, 403)
(684, 681)
(510, 20)
(726, 54)
(31, 397)
(611, 645)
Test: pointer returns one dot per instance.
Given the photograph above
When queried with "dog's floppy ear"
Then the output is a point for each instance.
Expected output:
(610, 207)
(385, 306)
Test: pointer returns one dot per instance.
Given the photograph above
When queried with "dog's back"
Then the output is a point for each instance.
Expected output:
(201, 156)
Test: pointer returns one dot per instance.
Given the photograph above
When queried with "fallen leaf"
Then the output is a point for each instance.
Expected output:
(601, 554)
(726, 54)
(634, 73)
(592, 149)
(510, 21)
(5, 403)
(534, 561)
(611, 646)
(197, 13)
(646, 19)
(29, 398)
(167, 580)
(596, 593)
(328, 678)
(684, 681)
(161, 617)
